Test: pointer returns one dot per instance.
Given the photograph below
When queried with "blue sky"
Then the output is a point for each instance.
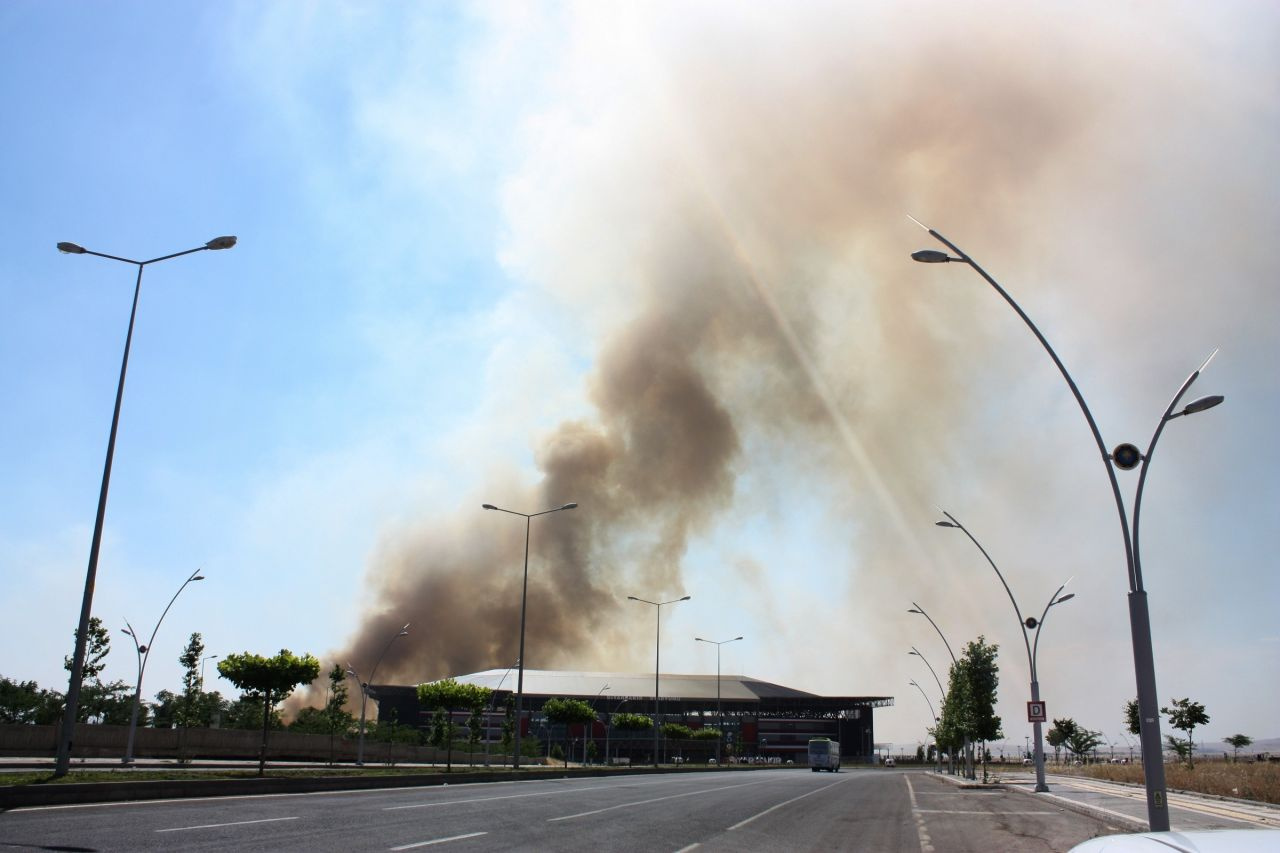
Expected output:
(453, 221)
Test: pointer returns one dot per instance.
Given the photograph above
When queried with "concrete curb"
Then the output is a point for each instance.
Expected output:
(1097, 812)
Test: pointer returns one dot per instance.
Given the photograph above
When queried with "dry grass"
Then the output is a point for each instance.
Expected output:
(1247, 781)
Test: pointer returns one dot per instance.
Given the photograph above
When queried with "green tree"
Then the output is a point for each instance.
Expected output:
(103, 703)
(1132, 720)
(246, 713)
(1178, 747)
(449, 695)
(188, 710)
(475, 728)
(272, 678)
(340, 720)
(1059, 734)
(568, 712)
(1082, 741)
(25, 702)
(1238, 742)
(311, 721)
(628, 722)
(97, 647)
(968, 711)
(1185, 715)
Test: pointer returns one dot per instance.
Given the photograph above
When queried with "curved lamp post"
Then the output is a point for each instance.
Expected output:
(1126, 457)
(657, 660)
(608, 727)
(144, 652)
(916, 608)
(719, 712)
(364, 687)
(67, 735)
(936, 751)
(1028, 624)
(524, 598)
(941, 689)
(589, 729)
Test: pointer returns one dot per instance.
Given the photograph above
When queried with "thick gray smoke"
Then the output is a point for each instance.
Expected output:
(722, 195)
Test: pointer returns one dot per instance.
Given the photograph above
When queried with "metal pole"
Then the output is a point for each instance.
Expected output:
(62, 762)
(364, 688)
(657, 660)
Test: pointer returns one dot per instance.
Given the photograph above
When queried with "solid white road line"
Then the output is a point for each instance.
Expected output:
(220, 825)
(439, 841)
(922, 831)
(742, 823)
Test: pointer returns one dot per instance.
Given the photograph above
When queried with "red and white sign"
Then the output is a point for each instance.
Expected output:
(1036, 713)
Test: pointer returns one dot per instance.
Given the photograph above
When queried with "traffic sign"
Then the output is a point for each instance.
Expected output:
(1037, 713)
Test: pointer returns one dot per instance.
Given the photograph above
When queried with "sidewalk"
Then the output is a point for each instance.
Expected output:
(1127, 804)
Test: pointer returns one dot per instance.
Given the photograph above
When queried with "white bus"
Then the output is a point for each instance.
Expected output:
(824, 754)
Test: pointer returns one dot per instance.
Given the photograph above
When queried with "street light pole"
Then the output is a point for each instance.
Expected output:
(67, 735)
(364, 688)
(492, 705)
(719, 712)
(1125, 456)
(202, 660)
(524, 598)
(941, 689)
(936, 751)
(916, 608)
(589, 731)
(657, 660)
(1028, 624)
(144, 652)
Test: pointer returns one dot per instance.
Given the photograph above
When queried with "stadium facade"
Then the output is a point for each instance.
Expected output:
(762, 720)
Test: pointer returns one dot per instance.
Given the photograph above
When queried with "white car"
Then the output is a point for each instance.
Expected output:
(1200, 841)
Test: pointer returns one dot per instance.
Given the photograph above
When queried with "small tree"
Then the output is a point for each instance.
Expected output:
(1058, 735)
(1132, 720)
(273, 678)
(1082, 741)
(1238, 742)
(447, 695)
(187, 714)
(568, 712)
(25, 702)
(475, 728)
(968, 711)
(1186, 715)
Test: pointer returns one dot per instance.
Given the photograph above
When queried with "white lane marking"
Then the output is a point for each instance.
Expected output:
(220, 825)
(480, 800)
(439, 841)
(694, 846)
(987, 814)
(922, 831)
(743, 823)
(653, 800)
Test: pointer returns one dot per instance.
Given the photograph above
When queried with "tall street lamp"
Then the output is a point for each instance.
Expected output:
(941, 689)
(916, 608)
(1028, 624)
(202, 662)
(67, 735)
(657, 660)
(524, 598)
(719, 712)
(493, 703)
(144, 652)
(936, 751)
(589, 729)
(364, 687)
(1126, 457)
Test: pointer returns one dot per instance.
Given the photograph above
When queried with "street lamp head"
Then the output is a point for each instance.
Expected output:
(488, 506)
(220, 243)
(632, 598)
(686, 598)
(1202, 404)
(1066, 597)
(71, 249)
(569, 506)
(914, 652)
(198, 578)
(931, 256)
(735, 639)
(944, 524)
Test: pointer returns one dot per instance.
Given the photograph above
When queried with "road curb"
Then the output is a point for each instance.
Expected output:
(1097, 812)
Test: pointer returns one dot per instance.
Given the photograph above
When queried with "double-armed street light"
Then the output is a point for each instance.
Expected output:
(1125, 457)
(63, 759)
(364, 687)
(719, 712)
(657, 659)
(524, 598)
(144, 652)
(1028, 624)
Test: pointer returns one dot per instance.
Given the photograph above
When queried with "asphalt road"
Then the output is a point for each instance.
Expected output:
(763, 810)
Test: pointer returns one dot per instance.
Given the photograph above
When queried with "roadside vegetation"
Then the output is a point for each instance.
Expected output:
(1254, 780)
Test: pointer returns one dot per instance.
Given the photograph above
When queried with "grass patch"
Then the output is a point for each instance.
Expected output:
(1247, 781)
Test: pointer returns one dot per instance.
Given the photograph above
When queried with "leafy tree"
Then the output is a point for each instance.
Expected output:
(1082, 741)
(449, 695)
(557, 752)
(1132, 720)
(968, 711)
(508, 723)
(246, 713)
(592, 751)
(1238, 742)
(312, 721)
(1186, 715)
(1059, 734)
(25, 702)
(272, 678)
(207, 708)
(96, 649)
(676, 731)
(568, 712)
(1178, 746)
(475, 729)
(104, 703)
(705, 734)
(188, 710)
(628, 722)
(339, 719)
